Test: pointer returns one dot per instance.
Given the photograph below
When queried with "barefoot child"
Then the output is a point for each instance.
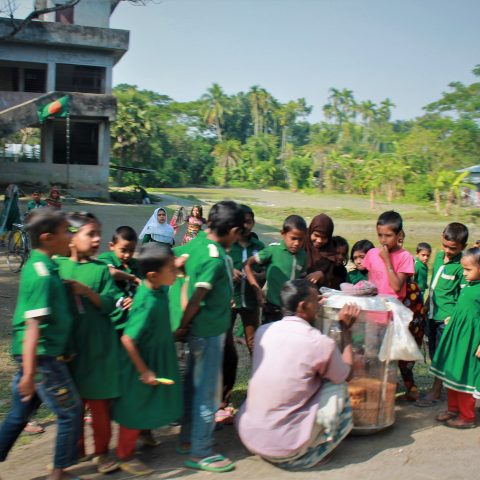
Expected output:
(445, 287)
(95, 367)
(359, 252)
(41, 328)
(123, 267)
(206, 319)
(149, 354)
(457, 359)
(424, 250)
(284, 261)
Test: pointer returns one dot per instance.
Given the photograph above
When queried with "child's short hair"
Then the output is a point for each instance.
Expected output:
(125, 233)
(247, 210)
(294, 222)
(43, 220)
(424, 246)
(77, 220)
(153, 256)
(361, 246)
(293, 292)
(474, 253)
(36, 191)
(456, 232)
(339, 241)
(224, 216)
(391, 219)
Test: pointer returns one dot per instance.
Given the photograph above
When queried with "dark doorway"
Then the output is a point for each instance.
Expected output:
(83, 143)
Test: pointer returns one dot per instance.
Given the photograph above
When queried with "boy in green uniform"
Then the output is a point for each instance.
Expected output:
(123, 267)
(285, 261)
(424, 250)
(36, 201)
(206, 319)
(446, 284)
(149, 353)
(41, 327)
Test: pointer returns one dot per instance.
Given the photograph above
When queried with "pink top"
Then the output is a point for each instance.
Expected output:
(402, 262)
(290, 359)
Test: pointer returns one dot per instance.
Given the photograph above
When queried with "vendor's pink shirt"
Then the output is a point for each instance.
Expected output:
(290, 359)
(402, 262)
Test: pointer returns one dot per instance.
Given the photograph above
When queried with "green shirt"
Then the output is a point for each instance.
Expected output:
(95, 367)
(208, 266)
(243, 293)
(119, 316)
(356, 275)
(42, 295)
(143, 406)
(421, 275)
(282, 266)
(32, 205)
(445, 286)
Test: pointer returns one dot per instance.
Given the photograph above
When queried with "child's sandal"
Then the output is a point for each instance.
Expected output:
(136, 467)
(445, 416)
(106, 464)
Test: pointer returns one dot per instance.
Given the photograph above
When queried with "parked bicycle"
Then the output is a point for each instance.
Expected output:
(18, 247)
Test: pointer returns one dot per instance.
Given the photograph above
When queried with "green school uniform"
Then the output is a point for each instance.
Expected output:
(243, 293)
(32, 205)
(421, 275)
(209, 267)
(445, 286)
(95, 367)
(455, 362)
(42, 295)
(143, 406)
(356, 275)
(119, 316)
(175, 291)
(282, 266)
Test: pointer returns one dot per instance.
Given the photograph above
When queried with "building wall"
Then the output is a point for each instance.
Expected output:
(90, 13)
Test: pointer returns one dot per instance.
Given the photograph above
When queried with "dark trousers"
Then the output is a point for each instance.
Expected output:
(54, 388)
(271, 313)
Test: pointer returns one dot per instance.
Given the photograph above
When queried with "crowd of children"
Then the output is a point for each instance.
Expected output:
(99, 331)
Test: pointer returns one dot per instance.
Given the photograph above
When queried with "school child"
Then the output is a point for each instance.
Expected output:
(244, 304)
(123, 267)
(42, 325)
(339, 272)
(195, 222)
(284, 261)
(320, 250)
(445, 287)
(95, 366)
(206, 319)
(424, 250)
(359, 251)
(457, 358)
(157, 229)
(36, 201)
(53, 199)
(389, 268)
(149, 353)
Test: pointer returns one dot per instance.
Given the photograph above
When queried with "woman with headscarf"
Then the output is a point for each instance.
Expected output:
(157, 229)
(320, 251)
(53, 199)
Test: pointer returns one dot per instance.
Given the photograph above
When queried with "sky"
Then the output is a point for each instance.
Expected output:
(407, 50)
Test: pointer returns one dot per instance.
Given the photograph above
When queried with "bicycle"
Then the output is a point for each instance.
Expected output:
(18, 247)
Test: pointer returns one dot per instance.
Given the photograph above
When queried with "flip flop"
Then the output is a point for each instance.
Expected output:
(106, 464)
(136, 467)
(205, 464)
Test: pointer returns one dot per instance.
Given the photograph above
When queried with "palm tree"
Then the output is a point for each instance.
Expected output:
(215, 106)
(227, 154)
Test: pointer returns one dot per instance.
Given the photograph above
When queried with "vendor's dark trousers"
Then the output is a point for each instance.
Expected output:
(54, 388)
(463, 403)
(250, 319)
(271, 313)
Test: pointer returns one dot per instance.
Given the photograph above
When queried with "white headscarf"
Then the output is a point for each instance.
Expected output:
(160, 232)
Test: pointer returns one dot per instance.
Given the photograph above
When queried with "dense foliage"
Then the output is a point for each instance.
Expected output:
(251, 139)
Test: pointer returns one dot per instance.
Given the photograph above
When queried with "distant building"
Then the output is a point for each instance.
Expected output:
(71, 51)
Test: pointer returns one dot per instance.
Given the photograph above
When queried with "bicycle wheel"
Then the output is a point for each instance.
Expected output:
(17, 251)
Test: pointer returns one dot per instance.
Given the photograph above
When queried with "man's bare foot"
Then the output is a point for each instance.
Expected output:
(61, 474)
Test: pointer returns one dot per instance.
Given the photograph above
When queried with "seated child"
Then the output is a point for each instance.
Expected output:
(36, 201)
(359, 251)
(149, 353)
(424, 250)
(42, 326)
(284, 261)
(54, 200)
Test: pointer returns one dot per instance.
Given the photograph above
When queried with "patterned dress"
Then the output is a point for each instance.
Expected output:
(194, 225)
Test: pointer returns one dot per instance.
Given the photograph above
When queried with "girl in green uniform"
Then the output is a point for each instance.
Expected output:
(146, 403)
(95, 366)
(457, 360)
(359, 252)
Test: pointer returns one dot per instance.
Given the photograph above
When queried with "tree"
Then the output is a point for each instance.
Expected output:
(299, 169)
(227, 154)
(216, 105)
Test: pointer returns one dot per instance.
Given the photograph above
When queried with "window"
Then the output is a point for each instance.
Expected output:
(23, 77)
(80, 78)
(34, 80)
(83, 143)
